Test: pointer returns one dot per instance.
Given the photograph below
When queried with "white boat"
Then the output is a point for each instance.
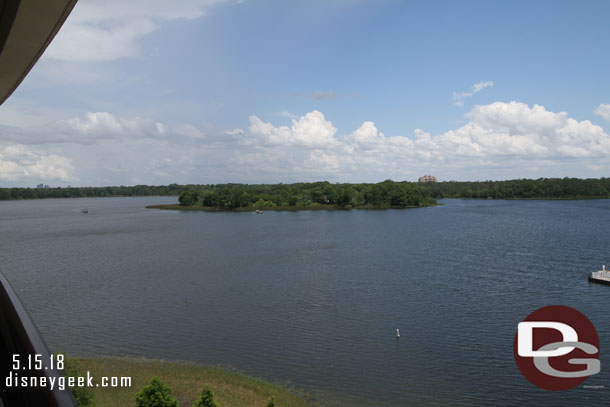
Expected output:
(601, 276)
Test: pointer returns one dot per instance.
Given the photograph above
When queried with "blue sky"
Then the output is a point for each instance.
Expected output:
(210, 91)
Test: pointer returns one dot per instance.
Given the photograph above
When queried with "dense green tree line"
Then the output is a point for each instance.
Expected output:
(552, 188)
(381, 195)
(78, 192)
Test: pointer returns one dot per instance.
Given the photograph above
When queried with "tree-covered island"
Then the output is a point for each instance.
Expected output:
(316, 195)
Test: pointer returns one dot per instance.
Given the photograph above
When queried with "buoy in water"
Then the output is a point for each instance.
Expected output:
(397, 333)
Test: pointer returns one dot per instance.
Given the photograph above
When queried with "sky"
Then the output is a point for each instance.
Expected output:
(268, 91)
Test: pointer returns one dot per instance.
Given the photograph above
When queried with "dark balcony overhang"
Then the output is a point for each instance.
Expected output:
(27, 27)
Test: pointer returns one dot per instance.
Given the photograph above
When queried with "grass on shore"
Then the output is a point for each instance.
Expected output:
(186, 380)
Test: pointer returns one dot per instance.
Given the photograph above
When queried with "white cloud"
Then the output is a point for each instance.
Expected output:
(94, 127)
(311, 130)
(603, 110)
(101, 125)
(112, 29)
(516, 129)
(498, 134)
(366, 136)
(18, 161)
(458, 98)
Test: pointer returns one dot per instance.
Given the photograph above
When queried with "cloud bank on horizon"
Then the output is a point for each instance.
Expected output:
(497, 135)
(106, 106)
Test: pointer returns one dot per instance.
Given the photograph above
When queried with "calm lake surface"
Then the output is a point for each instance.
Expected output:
(314, 298)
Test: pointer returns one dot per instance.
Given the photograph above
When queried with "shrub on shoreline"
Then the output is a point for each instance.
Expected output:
(156, 394)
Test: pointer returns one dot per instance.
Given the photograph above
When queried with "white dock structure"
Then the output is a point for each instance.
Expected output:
(601, 276)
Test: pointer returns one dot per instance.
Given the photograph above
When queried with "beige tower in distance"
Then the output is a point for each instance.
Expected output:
(427, 178)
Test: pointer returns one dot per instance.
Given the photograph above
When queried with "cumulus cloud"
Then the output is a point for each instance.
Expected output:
(458, 98)
(516, 129)
(112, 29)
(311, 130)
(18, 161)
(603, 110)
(366, 137)
(501, 131)
(498, 134)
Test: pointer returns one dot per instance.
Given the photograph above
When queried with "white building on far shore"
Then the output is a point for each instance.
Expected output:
(427, 178)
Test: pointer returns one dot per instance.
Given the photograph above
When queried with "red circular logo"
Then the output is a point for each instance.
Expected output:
(556, 348)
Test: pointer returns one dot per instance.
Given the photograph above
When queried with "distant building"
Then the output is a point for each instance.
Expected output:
(427, 178)
(39, 186)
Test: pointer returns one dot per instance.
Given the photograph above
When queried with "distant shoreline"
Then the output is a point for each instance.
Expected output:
(82, 197)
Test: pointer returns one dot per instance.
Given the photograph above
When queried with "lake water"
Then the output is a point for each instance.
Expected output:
(313, 298)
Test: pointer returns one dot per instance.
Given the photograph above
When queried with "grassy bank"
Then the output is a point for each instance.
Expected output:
(186, 380)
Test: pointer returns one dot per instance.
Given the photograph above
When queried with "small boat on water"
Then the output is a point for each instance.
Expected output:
(258, 212)
(602, 276)
(85, 211)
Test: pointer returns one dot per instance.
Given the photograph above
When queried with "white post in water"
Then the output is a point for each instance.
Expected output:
(397, 333)
(603, 267)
